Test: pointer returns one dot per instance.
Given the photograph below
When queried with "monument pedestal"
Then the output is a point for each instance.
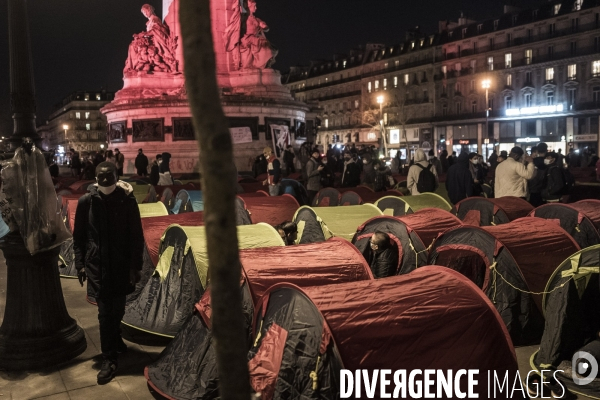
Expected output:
(37, 331)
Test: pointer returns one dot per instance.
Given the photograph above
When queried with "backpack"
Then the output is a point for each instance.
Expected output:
(568, 179)
(426, 182)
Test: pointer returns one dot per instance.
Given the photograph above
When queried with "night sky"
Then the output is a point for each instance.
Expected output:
(82, 44)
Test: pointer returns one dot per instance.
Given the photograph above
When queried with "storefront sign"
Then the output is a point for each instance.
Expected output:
(585, 138)
(463, 142)
(394, 136)
(512, 112)
(528, 140)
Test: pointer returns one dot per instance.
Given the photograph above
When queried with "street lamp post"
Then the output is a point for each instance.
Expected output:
(381, 121)
(486, 85)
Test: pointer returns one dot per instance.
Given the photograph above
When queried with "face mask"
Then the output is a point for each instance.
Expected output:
(106, 190)
(475, 162)
(547, 162)
(159, 162)
(324, 162)
(365, 162)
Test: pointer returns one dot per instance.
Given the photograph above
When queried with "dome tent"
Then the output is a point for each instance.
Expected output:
(186, 368)
(332, 221)
(571, 220)
(590, 208)
(188, 201)
(181, 276)
(272, 210)
(572, 316)
(399, 206)
(327, 197)
(294, 189)
(152, 210)
(304, 337)
(412, 234)
(510, 263)
(367, 194)
(481, 211)
(350, 198)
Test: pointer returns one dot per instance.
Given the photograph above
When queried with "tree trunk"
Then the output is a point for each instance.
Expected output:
(218, 184)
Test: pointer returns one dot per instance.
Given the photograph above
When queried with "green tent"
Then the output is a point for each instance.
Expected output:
(181, 276)
(398, 206)
(320, 223)
(153, 209)
(140, 191)
(570, 305)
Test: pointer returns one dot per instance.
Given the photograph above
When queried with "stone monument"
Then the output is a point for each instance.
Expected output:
(152, 112)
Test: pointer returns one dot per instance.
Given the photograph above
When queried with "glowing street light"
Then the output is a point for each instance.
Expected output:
(381, 121)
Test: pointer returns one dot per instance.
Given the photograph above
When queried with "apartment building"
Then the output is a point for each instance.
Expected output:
(539, 70)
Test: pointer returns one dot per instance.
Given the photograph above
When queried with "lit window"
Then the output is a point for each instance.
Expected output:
(458, 66)
(397, 63)
(596, 68)
(377, 85)
(78, 115)
(490, 61)
(528, 56)
(406, 79)
(326, 123)
(344, 63)
(444, 70)
(87, 97)
(356, 103)
(528, 97)
(509, 80)
(473, 66)
(549, 74)
(577, 5)
(88, 127)
(421, 42)
(87, 115)
(385, 118)
(395, 81)
(508, 60)
(412, 45)
(550, 98)
(98, 96)
(369, 88)
(572, 72)
(384, 84)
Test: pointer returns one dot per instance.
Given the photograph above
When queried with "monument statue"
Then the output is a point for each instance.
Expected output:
(153, 50)
(245, 39)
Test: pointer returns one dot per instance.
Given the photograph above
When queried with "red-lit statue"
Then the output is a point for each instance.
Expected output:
(245, 39)
(153, 50)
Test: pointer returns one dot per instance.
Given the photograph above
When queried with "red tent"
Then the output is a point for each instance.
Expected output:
(481, 211)
(412, 235)
(260, 193)
(432, 318)
(186, 369)
(589, 208)
(368, 195)
(572, 220)
(508, 262)
(154, 227)
(273, 209)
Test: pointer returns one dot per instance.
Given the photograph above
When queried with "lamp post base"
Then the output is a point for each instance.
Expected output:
(37, 331)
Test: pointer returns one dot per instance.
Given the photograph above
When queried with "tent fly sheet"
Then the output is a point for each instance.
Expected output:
(412, 235)
(304, 337)
(271, 210)
(152, 210)
(186, 369)
(181, 276)
(571, 220)
(511, 263)
(335, 221)
(398, 206)
(481, 211)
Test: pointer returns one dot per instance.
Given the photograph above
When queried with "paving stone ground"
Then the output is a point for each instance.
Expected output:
(76, 380)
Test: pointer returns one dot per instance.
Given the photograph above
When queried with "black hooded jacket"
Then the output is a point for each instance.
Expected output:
(459, 181)
(384, 263)
(108, 240)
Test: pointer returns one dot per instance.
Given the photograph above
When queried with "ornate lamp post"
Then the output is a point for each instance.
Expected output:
(37, 330)
(486, 83)
(383, 134)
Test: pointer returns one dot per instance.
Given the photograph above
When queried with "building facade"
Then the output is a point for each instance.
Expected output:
(541, 66)
(77, 123)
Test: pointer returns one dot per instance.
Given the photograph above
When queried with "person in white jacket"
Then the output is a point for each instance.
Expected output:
(414, 171)
(512, 175)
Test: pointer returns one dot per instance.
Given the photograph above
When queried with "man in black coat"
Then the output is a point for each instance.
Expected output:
(155, 170)
(351, 172)
(141, 163)
(108, 244)
(459, 181)
(384, 255)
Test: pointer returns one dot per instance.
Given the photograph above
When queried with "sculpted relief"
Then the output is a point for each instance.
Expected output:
(153, 50)
(245, 38)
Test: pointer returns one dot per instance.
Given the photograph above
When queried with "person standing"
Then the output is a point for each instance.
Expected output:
(555, 181)
(418, 173)
(141, 163)
(536, 184)
(119, 162)
(108, 243)
(273, 171)
(444, 160)
(459, 181)
(351, 172)
(98, 158)
(110, 157)
(288, 159)
(512, 175)
(313, 173)
(368, 171)
(155, 170)
(433, 160)
(75, 164)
